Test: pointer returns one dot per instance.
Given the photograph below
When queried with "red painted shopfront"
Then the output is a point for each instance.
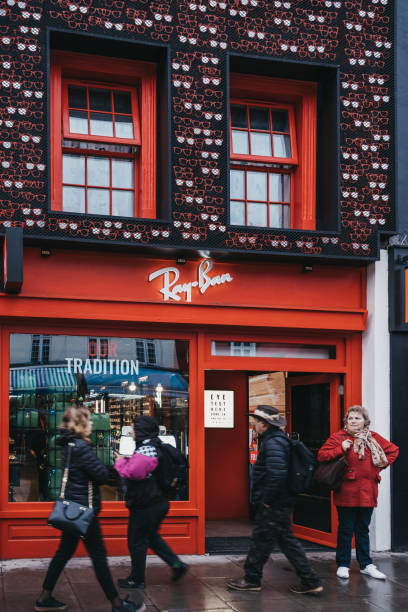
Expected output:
(228, 324)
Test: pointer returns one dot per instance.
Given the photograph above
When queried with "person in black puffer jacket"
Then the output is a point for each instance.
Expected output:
(85, 466)
(275, 501)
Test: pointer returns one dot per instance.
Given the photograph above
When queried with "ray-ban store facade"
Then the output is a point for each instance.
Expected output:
(150, 336)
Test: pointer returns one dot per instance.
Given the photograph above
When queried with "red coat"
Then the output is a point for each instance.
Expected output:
(359, 486)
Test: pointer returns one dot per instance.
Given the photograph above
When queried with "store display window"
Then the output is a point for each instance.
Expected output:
(49, 373)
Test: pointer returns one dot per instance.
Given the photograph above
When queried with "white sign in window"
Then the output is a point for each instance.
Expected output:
(219, 409)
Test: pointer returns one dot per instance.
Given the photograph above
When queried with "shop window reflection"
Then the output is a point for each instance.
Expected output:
(107, 376)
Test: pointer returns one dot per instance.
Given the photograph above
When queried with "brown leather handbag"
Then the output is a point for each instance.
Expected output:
(330, 473)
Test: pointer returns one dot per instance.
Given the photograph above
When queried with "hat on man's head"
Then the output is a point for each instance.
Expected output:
(270, 414)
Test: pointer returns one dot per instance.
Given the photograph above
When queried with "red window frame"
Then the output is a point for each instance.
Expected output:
(116, 74)
(268, 202)
(300, 99)
(93, 137)
(266, 158)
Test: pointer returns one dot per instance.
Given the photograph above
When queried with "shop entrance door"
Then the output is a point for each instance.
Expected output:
(314, 413)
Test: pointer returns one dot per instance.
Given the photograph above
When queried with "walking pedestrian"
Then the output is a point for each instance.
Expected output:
(76, 427)
(147, 504)
(367, 454)
(275, 502)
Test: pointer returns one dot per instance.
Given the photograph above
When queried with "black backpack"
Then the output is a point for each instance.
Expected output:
(171, 472)
(301, 467)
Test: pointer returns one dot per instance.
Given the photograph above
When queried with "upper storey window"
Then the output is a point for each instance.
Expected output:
(272, 152)
(103, 136)
(263, 157)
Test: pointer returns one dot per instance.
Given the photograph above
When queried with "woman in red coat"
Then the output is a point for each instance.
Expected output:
(367, 454)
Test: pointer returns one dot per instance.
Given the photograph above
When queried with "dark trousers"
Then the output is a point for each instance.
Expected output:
(273, 526)
(353, 520)
(96, 549)
(143, 530)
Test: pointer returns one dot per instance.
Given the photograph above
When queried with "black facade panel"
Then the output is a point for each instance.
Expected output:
(401, 102)
(399, 435)
(351, 43)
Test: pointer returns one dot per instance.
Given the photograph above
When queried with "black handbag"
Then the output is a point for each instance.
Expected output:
(330, 473)
(69, 515)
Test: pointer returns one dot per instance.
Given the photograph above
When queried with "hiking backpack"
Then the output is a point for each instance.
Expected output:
(301, 467)
(171, 472)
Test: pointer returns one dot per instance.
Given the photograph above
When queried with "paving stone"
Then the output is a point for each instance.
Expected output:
(185, 597)
(219, 570)
(24, 601)
(265, 606)
(32, 580)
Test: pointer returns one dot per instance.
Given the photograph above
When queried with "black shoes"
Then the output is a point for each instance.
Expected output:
(307, 590)
(128, 583)
(129, 606)
(179, 571)
(49, 604)
(243, 585)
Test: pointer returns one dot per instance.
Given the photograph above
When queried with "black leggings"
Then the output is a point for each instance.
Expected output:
(144, 524)
(96, 549)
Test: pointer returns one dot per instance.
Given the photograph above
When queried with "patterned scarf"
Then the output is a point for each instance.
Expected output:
(364, 438)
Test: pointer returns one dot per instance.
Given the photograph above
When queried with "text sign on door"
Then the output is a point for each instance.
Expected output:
(219, 409)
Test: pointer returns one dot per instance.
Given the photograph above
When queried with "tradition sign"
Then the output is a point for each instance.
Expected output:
(102, 366)
(219, 409)
(173, 290)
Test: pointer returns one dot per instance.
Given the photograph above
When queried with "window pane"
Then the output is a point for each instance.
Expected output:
(259, 118)
(237, 184)
(123, 127)
(261, 144)
(123, 203)
(77, 97)
(101, 125)
(286, 187)
(257, 214)
(73, 199)
(122, 102)
(115, 394)
(275, 215)
(98, 201)
(122, 173)
(257, 186)
(239, 116)
(281, 145)
(227, 348)
(78, 122)
(237, 213)
(275, 187)
(240, 142)
(100, 99)
(279, 216)
(73, 169)
(98, 171)
(280, 121)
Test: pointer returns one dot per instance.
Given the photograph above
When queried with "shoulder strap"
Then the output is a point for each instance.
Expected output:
(66, 469)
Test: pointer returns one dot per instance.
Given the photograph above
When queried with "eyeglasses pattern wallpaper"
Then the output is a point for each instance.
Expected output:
(199, 34)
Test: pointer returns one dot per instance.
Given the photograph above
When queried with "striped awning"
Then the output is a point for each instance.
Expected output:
(42, 377)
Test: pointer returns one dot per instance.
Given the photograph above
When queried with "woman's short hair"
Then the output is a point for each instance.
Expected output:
(360, 410)
(75, 418)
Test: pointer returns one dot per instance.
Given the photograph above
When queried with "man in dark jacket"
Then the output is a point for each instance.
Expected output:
(275, 502)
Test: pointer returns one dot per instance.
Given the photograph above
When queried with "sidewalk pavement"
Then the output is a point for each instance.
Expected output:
(204, 586)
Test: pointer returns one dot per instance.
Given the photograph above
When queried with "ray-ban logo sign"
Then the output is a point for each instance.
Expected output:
(173, 290)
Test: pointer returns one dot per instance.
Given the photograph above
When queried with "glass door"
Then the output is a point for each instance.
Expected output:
(313, 414)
